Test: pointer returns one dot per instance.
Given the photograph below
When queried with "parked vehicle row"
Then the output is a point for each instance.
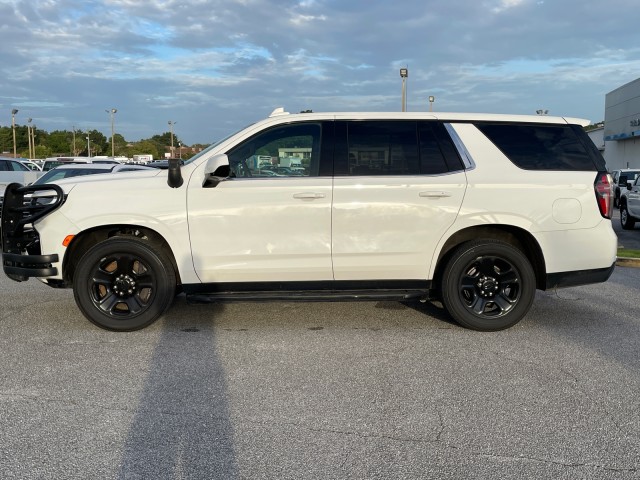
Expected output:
(630, 204)
(620, 179)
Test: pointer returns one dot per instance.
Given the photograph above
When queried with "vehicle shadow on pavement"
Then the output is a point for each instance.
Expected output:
(433, 309)
(182, 426)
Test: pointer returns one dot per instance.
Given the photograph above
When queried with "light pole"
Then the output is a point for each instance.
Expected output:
(29, 137)
(88, 147)
(431, 100)
(74, 141)
(404, 73)
(180, 150)
(13, 126)
(171, 124)
(113, 145)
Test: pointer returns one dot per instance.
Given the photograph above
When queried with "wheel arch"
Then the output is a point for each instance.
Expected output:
(515, 236)
(83, 241)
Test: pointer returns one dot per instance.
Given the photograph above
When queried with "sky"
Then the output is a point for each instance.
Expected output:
(212, 67)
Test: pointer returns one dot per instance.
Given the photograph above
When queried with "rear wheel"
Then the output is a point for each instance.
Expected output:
(488, 285)
(124, 284)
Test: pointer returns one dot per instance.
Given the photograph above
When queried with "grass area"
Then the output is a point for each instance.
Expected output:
(628, 253)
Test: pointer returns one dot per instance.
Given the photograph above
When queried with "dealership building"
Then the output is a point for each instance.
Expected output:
(619, 139)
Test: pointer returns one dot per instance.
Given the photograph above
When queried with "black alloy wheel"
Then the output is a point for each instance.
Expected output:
(488, 285)
(124, 284)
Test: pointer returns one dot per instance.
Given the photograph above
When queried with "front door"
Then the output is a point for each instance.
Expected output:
(270, 221)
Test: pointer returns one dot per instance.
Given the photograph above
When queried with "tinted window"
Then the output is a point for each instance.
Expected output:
(432, 160)
(284, 151)
(539, 147)
(383, 148)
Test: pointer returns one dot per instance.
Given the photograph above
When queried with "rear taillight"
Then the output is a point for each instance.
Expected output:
(604, 193)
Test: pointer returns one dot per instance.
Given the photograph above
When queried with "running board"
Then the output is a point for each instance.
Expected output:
(309, 296)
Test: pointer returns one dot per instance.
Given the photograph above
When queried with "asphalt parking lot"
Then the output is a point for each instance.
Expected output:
(322, 390)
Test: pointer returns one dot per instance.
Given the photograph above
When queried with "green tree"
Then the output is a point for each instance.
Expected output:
(59, 141)
(143, 147)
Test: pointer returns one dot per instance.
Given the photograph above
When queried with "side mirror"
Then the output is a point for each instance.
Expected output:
(174, 179)
(216, 170)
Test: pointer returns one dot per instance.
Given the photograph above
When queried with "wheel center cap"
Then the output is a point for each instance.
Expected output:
(488, 286)
(124, 285)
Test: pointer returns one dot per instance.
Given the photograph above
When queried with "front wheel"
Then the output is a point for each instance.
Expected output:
(626, 220)
(488, 285)
(123, 284)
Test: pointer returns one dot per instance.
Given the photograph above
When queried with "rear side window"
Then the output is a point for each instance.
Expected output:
(389, 147)
(540, 147)
(383, 148)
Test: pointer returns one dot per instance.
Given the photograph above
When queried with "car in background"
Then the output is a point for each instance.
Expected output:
(163, 164)
(12, 165)
(50, 163)
(630, 204)
(31, 165)
(74, 170)
(620, 179)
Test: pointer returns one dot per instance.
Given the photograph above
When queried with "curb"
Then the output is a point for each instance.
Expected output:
(628, 262)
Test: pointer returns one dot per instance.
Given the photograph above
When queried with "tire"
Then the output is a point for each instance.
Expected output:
(488, 285)
(626, 220)
(123, 284)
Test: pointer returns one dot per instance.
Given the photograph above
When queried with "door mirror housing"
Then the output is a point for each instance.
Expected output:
(174, 178)
(216, 170)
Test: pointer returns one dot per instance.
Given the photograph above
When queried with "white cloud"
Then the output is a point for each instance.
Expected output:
(212, 63)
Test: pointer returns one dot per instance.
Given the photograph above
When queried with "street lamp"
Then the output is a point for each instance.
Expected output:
(113, 145)
(171, 124)
(404, 73)
(88, 147)
(31, 155)
(13, 126)
(431, 100)
(180, 150)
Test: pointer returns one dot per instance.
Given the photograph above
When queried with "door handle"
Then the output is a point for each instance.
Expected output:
(434, 194)
(308, 195)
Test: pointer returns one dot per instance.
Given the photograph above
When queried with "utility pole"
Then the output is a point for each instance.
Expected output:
(171, 124)
(13, 126)
(113, 145)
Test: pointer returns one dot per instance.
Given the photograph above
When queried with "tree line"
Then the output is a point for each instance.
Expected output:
(74, 143)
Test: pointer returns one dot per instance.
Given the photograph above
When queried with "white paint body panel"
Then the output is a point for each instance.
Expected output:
(262, 229)
(388, 227)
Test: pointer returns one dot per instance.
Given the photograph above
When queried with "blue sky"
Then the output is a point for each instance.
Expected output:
(214, 66)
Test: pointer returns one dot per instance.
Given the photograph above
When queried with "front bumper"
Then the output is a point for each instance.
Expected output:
(21, 256)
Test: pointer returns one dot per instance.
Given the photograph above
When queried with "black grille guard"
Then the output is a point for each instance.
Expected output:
(21, 257)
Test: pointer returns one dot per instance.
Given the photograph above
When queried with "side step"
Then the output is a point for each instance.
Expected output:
(308, 296)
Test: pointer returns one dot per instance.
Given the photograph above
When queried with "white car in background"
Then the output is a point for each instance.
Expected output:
(81, 169)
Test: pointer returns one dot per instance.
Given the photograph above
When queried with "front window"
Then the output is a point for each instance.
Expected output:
(283, 151)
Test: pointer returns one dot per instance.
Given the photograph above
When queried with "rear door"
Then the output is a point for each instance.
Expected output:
(398, 187)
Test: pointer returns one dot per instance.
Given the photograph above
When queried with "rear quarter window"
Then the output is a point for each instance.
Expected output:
(541, 147)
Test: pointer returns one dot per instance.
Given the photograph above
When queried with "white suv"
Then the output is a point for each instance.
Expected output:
(468, 209)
